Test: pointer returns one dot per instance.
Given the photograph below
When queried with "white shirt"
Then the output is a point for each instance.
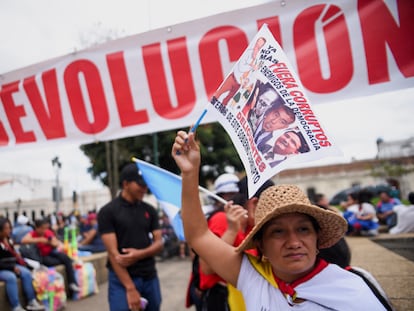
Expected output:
(366, 209)
(333, 288)
(405, 219)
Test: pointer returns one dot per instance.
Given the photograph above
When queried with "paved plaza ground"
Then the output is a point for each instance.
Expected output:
(173, 273)
(394, 272)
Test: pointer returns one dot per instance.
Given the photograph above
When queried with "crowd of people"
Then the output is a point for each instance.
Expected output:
(276, 245)
(26, 245)
(364, 217)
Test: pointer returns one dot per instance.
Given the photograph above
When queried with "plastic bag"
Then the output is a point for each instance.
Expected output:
(50, 287)
(86, 278)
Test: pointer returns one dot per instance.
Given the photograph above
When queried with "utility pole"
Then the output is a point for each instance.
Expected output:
(57, 192)
(155, 149)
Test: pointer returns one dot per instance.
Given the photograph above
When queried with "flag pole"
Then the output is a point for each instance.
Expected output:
(213, 195)
(204, 190)
(194, 127)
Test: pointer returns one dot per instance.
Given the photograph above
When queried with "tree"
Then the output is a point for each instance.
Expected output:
(217, 150)
(392, 171)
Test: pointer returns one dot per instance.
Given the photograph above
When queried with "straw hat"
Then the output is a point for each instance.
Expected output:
(284, 199)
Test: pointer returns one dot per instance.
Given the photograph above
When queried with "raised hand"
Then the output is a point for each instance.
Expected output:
(186, 152)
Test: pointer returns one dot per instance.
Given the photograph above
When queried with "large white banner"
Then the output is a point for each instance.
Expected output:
(163, 79)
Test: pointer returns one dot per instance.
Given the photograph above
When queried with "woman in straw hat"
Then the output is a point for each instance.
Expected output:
(287, 234)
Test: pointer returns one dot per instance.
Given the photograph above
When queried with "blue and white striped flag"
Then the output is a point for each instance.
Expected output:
(166, 187)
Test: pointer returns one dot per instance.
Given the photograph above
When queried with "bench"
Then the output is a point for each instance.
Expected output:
(98, 260)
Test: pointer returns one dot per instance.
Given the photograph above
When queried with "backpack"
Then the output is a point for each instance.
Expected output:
(30, 251)
(376, 290)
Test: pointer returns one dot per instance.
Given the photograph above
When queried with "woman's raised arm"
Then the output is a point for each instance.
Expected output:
(220, 256)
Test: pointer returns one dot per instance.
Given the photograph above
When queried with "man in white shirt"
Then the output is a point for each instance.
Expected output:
(405, 217)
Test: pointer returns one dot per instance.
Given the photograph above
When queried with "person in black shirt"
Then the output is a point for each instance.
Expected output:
(132, 236)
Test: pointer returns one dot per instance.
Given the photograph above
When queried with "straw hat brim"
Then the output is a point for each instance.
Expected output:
(332, 225)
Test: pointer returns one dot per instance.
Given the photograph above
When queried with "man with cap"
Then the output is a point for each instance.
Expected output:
(132, 236)
(21, 228)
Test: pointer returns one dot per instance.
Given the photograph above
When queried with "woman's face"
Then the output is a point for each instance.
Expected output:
(290, 243)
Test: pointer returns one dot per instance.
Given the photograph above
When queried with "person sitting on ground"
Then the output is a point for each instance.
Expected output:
(91, 239)
(385, 206)
(21, 228)
(47, 245)
(13, 267)
(405, 217)
(360, 214)
(287, 273)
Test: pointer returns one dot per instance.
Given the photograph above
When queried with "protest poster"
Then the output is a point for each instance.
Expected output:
(263, 107)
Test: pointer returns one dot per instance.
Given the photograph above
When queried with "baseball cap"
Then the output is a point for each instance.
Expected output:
(91, 216)
(130, 172)
(22, 220)
(226, 183)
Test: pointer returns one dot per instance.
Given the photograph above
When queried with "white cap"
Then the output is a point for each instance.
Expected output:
(226, 183)
(22, 220)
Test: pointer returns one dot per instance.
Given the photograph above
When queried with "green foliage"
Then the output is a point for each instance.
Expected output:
(389, 169)
(217, 152)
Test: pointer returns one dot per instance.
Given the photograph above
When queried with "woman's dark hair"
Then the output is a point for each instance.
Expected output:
(365, 196)
(362, 196)
(3, 222)
(40, 222)
(411, 197)
(354, 195)
(339, 254)
(240, 199)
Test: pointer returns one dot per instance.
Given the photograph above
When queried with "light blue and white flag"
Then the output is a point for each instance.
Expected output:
(166, 187)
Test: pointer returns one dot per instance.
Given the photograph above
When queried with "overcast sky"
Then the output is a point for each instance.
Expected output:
(33, 31)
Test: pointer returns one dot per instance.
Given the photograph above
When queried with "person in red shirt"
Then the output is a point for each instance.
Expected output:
(214, 292)
(47, 244)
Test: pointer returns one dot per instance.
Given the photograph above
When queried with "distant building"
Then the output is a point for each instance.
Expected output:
(20, 194)
(33, 197)
(395, 149)
(331, 179)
